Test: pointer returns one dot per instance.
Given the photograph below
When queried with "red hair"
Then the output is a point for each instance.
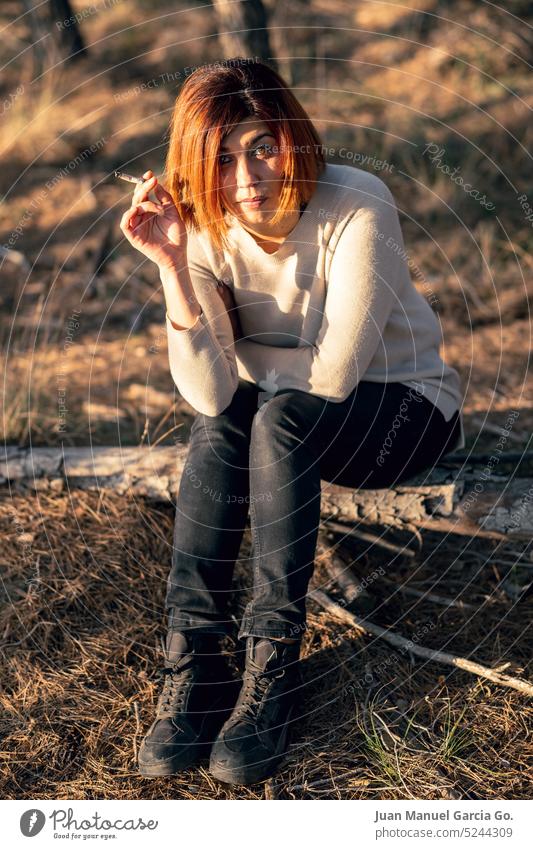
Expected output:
(212, 100)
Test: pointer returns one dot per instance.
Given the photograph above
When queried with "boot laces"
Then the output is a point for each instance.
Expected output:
(255, 685)
(175, 688)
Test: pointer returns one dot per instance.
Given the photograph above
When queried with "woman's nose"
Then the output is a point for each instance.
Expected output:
(246, 174)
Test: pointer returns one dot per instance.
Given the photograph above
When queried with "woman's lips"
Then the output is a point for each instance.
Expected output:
(253, 203)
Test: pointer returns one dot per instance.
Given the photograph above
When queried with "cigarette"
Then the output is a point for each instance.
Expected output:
(128, 177)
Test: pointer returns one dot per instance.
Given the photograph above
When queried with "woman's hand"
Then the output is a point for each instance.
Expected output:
(155, 229)
(229, 302)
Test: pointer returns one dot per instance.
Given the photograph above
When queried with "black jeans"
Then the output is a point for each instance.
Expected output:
(269, 457)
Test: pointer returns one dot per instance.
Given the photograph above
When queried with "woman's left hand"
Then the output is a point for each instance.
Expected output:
(233, 313)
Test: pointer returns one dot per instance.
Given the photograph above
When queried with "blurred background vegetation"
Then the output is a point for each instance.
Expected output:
(82, 328)
(82, 313)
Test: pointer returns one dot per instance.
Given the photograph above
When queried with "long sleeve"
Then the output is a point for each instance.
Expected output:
(362, 289)
(202, 357)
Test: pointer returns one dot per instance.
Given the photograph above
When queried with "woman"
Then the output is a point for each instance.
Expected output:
(296, 333)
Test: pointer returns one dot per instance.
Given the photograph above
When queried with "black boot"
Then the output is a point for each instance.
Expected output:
(197, 696)
(254, 739)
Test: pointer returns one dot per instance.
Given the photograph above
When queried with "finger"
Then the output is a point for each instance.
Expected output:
(162, 194)
(133, 216)
(150, 206)
(142, 190)
(129, 215)
(133, 220)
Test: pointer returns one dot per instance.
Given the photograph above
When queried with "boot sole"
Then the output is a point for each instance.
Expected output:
(175, 764)
(245, 776)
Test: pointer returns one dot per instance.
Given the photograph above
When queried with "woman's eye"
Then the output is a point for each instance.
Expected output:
(264, 148)
(261, 150)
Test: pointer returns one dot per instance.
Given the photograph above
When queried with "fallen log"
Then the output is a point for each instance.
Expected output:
(459, 496)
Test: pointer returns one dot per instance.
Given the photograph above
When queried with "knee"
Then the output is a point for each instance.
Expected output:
(237, 416)
(203, 424)
(290, 410)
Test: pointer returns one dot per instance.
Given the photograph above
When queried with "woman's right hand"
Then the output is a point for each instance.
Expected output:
(155, 229)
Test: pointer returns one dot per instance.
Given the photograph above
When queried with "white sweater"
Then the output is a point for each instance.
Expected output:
(333, 305)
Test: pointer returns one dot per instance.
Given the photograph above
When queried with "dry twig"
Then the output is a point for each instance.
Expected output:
(420, 651)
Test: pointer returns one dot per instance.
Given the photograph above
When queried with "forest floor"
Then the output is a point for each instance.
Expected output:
(83, 326)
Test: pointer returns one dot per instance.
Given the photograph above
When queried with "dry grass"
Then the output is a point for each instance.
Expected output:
(83, 583)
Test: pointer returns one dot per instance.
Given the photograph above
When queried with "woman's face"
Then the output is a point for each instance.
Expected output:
(251, 166)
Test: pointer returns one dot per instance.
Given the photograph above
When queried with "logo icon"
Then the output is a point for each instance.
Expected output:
(269, 386)
(31, 822)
